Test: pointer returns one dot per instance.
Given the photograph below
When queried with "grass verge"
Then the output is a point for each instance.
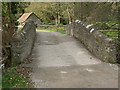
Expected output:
(15, 77)
(60, 31)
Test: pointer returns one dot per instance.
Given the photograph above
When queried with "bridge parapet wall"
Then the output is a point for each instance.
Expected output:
(100, 45)
(23, 43)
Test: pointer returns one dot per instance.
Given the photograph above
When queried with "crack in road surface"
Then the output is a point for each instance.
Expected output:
(60, 61)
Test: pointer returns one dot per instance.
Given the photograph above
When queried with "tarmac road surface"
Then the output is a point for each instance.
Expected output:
(61, 61)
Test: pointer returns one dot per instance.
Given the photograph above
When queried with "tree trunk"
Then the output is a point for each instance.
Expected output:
(69, 16)
(118, 57)
(11, 25)
(81, 12)
(58, 19)
(70, 20)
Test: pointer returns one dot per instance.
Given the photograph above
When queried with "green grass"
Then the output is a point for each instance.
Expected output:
(11, 78)
(60, 31)
(60, 28)
(113, 35)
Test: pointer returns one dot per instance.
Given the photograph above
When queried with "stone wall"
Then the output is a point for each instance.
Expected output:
(100, 45)
(22, 43)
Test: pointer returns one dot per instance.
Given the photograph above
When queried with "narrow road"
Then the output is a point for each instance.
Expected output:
(60, 61)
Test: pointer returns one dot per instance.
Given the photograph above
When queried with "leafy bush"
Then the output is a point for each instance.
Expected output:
(106, 25)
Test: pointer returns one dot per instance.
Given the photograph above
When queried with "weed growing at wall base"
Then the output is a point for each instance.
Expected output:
(112, 61)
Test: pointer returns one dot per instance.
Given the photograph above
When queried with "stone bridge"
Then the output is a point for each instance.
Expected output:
(61, 61)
